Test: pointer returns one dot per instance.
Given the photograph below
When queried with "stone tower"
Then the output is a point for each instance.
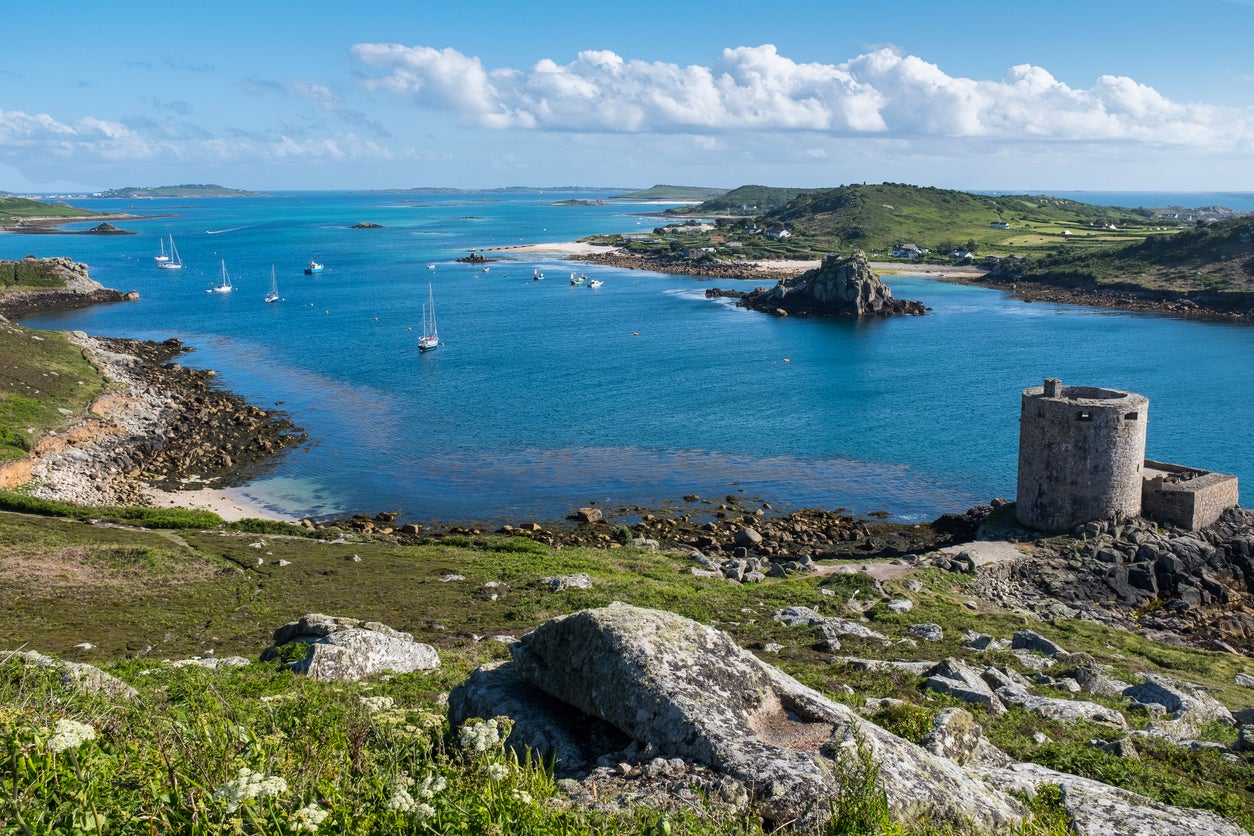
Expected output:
(1081, 454)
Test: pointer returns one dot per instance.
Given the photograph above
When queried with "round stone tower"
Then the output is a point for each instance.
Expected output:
(1081, 452)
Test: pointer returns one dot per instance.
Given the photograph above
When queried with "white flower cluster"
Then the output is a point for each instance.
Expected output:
(376, 704)
(70, 734)
(431, 785)
(481, 736)
(497, 771)
(523, 796)
(307, 818)
(248, 785)
(402, 801)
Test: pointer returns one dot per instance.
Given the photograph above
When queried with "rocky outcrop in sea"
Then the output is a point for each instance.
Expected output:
(840, 286)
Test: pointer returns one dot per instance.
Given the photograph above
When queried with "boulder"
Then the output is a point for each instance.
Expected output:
(82, 677)
(561, 583)
(683, 690)
(927, 631)
(956, 679)
(349, 649)
(1065, 711)
(1098, 809)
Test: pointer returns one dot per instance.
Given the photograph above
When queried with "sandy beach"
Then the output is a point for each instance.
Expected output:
(759, 267)
(74, 465)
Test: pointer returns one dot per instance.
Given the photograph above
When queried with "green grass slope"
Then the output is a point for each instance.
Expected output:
(141, 596)
(745, 200)
(44, 382)
(16, 209)
(875, 217)
(1216, 258)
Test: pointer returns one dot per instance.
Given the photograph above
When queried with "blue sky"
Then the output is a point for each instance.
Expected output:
(1117, 94)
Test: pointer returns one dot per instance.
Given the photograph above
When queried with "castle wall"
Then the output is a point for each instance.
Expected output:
(1185, 496)
(1081, 453)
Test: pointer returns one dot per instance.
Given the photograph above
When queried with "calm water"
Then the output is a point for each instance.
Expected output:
(547, 396)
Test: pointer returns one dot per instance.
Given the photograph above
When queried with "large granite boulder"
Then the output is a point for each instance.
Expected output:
(840, 286)
(678, 689)
(349, 649)
(80, 676)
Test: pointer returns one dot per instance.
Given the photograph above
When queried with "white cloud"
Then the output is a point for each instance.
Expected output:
(881, 93)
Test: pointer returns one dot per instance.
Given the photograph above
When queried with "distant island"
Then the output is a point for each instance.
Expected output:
(186, 190)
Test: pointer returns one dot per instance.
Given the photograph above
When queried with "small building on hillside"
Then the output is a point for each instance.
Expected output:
(999, 224)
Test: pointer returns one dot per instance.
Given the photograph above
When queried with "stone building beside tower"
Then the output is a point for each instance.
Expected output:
(1082, 458)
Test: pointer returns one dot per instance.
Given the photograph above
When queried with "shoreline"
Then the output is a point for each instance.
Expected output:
(1165, 303)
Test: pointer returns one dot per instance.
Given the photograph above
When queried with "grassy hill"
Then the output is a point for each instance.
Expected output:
(876, 217)
(14, 210)
(745, 200)
(1217, 257)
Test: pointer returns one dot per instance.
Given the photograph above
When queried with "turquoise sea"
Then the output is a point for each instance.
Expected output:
(546, 396)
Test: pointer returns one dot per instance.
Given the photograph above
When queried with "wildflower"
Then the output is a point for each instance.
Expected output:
(376, 704)
(248, 785)
(70, 734)
(431, 785)
(401, 801)
(497, 771)
(307, 818)
(480, 736)
(523, 796)
(423, 812)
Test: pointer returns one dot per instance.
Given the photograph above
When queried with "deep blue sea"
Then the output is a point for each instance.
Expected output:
(546, 397)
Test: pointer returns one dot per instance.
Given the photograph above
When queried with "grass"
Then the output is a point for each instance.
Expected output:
(141, 596)
(13, 209)
(44, 382)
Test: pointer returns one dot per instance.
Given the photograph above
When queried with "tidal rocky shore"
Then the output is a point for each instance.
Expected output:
(164, 425)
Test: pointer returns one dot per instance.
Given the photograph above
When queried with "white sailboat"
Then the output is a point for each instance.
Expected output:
(162, 257)
(273, 294)
(430, 339)
(224, 285)
(172, 262)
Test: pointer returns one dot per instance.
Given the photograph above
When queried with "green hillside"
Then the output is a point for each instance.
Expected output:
(1207, 257)
(15, 209)
(745, 200)
(874, 218)
(662, 192)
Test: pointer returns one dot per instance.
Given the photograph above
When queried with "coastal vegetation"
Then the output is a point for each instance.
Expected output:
(44, 381)
(1216, 257)
(142, 597)
(15, 210)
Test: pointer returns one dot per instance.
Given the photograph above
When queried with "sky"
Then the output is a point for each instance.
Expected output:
(1141, 95)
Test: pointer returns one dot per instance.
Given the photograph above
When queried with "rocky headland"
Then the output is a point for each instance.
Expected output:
(161, 424)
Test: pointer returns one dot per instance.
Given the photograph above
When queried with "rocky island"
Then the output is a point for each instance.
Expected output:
(840, 286)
